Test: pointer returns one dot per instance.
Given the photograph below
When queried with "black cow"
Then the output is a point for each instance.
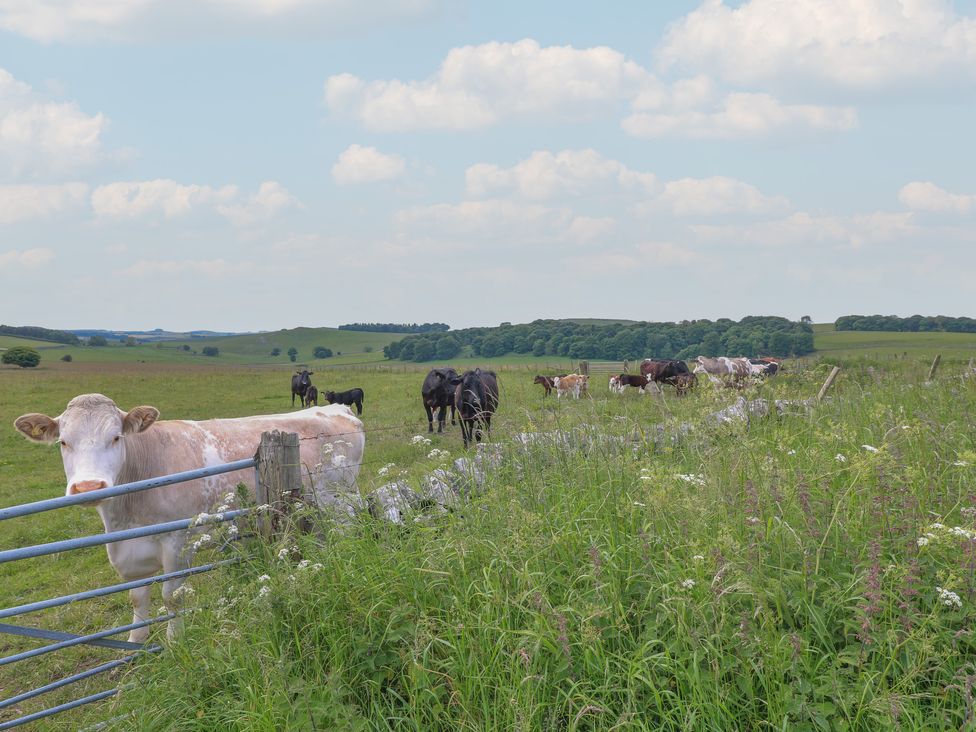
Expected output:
(311, 396)
(299, 385)
(437, 392)
(476, 398)
(353, 396)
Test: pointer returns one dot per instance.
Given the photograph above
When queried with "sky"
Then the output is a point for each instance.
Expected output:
(264, 164)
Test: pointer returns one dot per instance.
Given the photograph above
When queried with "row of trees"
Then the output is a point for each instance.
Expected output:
(43, 334)
(397, 327)
(751, 336)
(912, 324)
(317, 352)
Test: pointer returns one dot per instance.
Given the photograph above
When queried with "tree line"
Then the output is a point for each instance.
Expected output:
(751, 336)
(912, 324)
(397, 327)
(41, 334)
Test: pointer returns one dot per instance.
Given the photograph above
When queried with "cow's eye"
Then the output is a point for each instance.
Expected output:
(63, 444)
(116, 439)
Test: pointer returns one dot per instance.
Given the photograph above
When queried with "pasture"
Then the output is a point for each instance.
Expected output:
(768, 574)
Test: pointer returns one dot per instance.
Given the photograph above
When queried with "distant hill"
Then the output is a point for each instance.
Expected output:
(148, 336)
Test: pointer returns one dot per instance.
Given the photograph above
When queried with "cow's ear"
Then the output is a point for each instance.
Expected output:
(38, 427)
(139, 419)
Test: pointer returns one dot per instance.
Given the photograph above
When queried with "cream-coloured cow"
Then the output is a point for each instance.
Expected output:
(102, 446)
(571, 384)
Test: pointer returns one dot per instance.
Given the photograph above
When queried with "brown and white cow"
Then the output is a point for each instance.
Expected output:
(571, 384)
(102, 446)
(724, 370)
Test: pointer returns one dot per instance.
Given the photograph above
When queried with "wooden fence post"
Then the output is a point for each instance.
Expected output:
(279, 477)
(584, 368)
(828, 383)
(935, 366)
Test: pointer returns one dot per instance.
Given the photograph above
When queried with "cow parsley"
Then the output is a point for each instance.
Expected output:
(264, 578)
(692, 478)
(419, 440)
(840, 458)
(438, 453)
(385, 469)
(264, 591)
(922, 541)
(948, 598)
(202, 541)
(688, 583)
(870, 448)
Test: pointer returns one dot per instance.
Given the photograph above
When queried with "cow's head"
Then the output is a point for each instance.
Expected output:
(91, 432)
(329, 396)
(304, 377)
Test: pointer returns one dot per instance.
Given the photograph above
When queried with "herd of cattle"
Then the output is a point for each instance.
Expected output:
(103, 446)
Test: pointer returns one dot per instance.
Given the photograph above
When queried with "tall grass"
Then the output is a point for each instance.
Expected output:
(783, 574)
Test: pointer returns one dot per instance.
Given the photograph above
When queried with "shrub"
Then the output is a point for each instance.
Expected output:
(322, 352)
(211, 351)
(186, 347)
(22, 356)
(275, 351)
(97, 340)
(66, 357)
(293, 354)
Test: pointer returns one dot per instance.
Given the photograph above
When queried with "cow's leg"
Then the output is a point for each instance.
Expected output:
(176, 556)
(140, 600)
(453, 423)
(441, 414)
(359, 407)
(430, 416)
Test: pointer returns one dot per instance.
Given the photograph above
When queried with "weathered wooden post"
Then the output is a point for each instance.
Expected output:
(279, 477)
(584, 368)
(934, 367)
(828, 383)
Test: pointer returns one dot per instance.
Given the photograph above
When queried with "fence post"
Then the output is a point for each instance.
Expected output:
(828, 383)
(935, 366)
(279, 476)
(584, 368)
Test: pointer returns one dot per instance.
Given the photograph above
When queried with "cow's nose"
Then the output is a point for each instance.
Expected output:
(83, 486)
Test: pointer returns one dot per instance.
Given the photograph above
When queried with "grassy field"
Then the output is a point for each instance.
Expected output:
(561, 598)
(831, 343)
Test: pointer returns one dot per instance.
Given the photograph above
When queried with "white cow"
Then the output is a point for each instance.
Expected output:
(571, 384)
(102, 446)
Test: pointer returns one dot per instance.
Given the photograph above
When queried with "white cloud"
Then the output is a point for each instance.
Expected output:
(358, 164)
(271, 199)
(643, 256)
(738, 114)
(209, 268)
(169, 200)
(717, 195)
(865, 44)
(804, 229)
(544, 175)
(483, 219)
(477, 86)
(38, 136)
(27, 258)
(587, 229)
(926, 196)
(131, 20)
(20, 202)
(136, 199)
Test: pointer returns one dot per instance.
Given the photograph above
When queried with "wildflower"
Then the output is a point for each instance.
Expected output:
(419, 440)
(961, 532)
(692, 478)
(202, 541)
(840, 458)
(316, 567)
(264, 591)
(339, 461)
(791, 452)
(385, 469)
(698, 557)
(638, 503)
(936, 526)
(264, 578)
(948, 597)
(285, 552)
(230, 497)
(688, 583)
(752, 520)
(969, 511)
(870, 448)
(303, 564)
(922, 541)
(183, 591)
(223, 507)
(232, 531)
(263, 508)
(436, 453)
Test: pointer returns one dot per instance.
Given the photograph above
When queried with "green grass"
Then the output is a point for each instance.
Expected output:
(554, 599)
(829, 343)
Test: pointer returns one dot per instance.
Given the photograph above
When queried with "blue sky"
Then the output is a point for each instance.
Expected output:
(272, 163)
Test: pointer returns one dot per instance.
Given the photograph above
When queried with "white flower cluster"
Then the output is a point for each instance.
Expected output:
(969, 511)
(437, 454)
(419, 440)
(285, 552)
(202, 541)
(306, 564)
(840, 458)
(870, 448)
(692, 478)
(385, 469)
(698, 557)
(791, 452)
(948, 598)
(183, 592)
(961, 532)
(207, 518)
(688, 583)
(645, 474)
(264, 591)
(957, 531)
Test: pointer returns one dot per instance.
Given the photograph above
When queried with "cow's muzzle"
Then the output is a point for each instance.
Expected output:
(84, 486)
